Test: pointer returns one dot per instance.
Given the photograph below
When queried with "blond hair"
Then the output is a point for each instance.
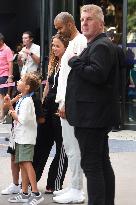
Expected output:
(33, 80)
(97, 11)
(54, 60)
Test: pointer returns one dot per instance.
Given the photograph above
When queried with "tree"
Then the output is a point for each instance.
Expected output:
(131, 23)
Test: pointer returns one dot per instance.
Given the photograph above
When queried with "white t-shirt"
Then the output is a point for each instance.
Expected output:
(25, 129)
(75, 47)
(28, 63)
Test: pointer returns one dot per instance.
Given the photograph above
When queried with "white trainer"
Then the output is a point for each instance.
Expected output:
(11, 189)
(72, 196)
(62, 191)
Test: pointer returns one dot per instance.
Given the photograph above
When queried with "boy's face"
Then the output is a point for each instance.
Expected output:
(22, 86)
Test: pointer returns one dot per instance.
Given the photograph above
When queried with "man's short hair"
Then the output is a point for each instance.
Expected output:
(2, 38)
(93, 8)
(29, 33)
(65, 17)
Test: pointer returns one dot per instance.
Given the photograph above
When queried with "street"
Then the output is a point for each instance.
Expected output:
(123, 157)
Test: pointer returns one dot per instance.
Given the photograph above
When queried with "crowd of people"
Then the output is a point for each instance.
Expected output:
(79, 106)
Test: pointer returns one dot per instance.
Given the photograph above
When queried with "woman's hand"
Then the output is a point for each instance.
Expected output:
(46, 90)
(41, 120)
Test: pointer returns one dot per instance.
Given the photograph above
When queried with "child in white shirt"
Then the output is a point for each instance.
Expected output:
(25, 132)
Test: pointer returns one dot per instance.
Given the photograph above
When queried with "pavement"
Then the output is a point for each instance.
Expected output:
(123, 158)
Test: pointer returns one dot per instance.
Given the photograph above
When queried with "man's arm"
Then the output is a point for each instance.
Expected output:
(10, 76)
(27, 52)
(76, 48)
(35, 58)
(100, 63)
(61, 112)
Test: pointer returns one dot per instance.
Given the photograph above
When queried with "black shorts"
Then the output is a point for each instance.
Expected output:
(3, 91)
(11, 150)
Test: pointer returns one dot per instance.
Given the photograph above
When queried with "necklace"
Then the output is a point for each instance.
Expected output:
(20, 101)
(57, 68)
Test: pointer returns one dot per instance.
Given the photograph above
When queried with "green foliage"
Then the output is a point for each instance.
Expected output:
(131, 20)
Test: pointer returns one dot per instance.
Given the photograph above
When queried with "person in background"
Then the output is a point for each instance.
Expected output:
(51, 130)
(14, 187)
(111, 32)
(65, 24)
(25, 133)
(6, 71)
(16, 68)
(29, 56)
(92, 104)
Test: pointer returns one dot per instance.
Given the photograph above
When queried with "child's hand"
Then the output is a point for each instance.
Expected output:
(15, 99)
(7, 102)
(7, 98)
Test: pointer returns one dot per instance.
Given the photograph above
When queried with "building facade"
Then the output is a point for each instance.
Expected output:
(38, 16)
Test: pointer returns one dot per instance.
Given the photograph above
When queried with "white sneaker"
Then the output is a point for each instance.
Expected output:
(62, 191)
(72, 196)
(11, 189)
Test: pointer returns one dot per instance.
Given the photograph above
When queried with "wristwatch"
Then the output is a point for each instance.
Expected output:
(31, 54)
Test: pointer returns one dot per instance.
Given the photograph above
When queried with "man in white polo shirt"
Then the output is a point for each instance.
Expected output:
(29, 56)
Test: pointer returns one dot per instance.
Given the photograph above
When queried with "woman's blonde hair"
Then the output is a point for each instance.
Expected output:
(54, 60)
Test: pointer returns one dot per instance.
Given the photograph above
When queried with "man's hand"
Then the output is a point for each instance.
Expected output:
(62, 112)
(27, 51)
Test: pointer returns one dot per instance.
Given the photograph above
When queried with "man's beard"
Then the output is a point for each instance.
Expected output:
(66, 34)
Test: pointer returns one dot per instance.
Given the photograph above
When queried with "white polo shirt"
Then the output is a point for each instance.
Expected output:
(28, 63)
(75, 47)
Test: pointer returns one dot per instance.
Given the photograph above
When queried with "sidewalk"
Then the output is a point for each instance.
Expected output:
(124, 164)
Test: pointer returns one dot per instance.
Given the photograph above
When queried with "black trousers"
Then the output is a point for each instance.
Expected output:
(96, 165)
(48, 133)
